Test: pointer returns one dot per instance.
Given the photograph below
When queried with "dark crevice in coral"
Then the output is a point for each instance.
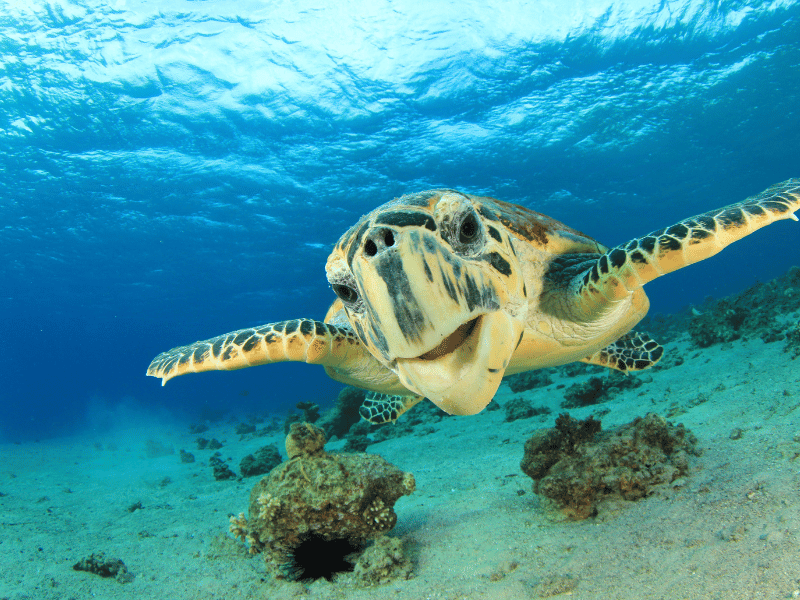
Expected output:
(317, 558)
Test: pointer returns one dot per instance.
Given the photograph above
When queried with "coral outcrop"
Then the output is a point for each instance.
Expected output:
(330, 501)
(529, 380)
(599, 389)
(262, 461)
(576, 465)
(520, 408)
(338, 420)
(105, 567)
(753, 313)
(221, 469)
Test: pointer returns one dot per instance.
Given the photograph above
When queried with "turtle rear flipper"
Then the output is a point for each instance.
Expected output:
(301, 340)
(632, 352)
(628, 267)
(384, 408)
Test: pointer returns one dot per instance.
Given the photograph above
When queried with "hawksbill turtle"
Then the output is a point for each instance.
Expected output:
(440, 294)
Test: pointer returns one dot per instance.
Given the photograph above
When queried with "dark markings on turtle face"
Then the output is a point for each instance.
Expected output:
(291, 327)
(456, 268)
(428, 272)
(733, 217)
(486, 213)
(379, 341)
(524, 290)
(360, 333)
(478, 296)
(355, 242)
(678, 231)
(494, 233)
(472, 294)
(519, 341)
(657, 353)
(499, 263)
(251, 343)
(648, 244)
(666, 244)
(617, 256)
(420, 199)
(407, 219)
(638, 257)
(410, 320)
(448, 286)
(603, 264)
(430, 245)
(493, 370)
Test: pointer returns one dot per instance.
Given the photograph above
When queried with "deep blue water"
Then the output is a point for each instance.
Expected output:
(178, 169)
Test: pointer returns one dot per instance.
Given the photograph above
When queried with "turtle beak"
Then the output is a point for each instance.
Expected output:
(462, 374)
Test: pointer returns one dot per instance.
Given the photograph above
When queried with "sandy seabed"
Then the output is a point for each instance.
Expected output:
(473, 529)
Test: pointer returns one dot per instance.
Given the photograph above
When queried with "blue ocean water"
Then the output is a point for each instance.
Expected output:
(178, 169)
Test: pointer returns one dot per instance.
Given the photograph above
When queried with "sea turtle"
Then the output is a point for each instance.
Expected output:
(441, 294)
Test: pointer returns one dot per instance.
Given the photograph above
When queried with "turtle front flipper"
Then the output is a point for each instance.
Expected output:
(626, 268)
(632, 352)
(302, 340)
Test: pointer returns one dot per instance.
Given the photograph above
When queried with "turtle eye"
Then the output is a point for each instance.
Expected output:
(345, 293)
(469, 229)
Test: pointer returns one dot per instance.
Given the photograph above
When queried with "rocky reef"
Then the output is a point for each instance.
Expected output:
(601, 389)
(529, 380)
(314, 515)
(521, 408)
(576, 465)
(753, 313)
(338, 420)
(261, 462)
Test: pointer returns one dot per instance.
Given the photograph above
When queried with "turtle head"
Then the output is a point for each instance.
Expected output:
(433, 288)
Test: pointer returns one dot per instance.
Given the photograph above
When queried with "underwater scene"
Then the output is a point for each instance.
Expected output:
(391, 299)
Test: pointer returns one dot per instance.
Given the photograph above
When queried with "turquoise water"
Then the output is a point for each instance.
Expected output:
(170, 171)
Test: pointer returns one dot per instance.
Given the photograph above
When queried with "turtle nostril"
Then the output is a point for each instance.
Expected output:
(378, 240)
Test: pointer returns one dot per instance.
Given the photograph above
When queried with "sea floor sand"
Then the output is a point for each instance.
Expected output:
(473, 529)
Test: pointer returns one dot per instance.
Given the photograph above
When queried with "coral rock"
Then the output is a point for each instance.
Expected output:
(382, 562)
(576, 465)
(304, 438)
(263, 461)
(330, 497)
